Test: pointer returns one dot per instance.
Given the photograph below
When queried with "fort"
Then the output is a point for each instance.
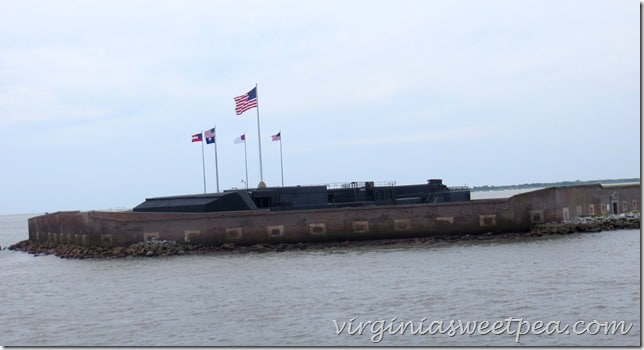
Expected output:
(394, 220)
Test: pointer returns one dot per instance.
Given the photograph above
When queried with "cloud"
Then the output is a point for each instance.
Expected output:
(60, 83)
(466, 77)
(411, 137)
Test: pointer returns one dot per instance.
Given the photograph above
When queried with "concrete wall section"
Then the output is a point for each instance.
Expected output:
(620, 199)
(568, 202)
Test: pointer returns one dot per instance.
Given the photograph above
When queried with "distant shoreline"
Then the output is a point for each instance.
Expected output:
(551, 184)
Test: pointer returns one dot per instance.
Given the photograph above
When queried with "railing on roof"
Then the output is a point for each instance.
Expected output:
(458, 188)
(359, 184)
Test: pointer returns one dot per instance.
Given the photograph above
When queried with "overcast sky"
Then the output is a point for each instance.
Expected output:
(99, 99)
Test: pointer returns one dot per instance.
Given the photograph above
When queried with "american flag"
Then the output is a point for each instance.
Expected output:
(210, 136)
(276, 137)
(246, 101)
(197, 138)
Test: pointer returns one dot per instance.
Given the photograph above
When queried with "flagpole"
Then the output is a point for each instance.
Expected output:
(203, 163)
(261, 173)
(281, 161)
(216, 165)
(245, 161)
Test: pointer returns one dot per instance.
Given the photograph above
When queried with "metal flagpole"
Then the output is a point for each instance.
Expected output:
(281, 162)
(203, 163)
(246, 160)
(261, 173)
(216, 166)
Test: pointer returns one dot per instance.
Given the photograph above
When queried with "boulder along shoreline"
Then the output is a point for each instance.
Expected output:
(155, 248)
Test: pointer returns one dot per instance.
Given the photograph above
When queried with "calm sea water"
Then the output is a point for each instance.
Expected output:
(304, 297)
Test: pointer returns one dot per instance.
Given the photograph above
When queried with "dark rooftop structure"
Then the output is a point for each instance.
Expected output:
(353, 194)
(226, 201)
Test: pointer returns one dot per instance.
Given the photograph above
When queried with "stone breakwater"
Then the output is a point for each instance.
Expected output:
(156, 248)
(629, 220)
(153, 248)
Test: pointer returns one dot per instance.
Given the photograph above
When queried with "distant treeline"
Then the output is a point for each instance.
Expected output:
(550, 184)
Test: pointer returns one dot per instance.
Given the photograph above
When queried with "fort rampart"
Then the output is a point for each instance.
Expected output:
(515, 214)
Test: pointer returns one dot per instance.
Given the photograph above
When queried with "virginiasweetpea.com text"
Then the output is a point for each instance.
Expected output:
(518, 327)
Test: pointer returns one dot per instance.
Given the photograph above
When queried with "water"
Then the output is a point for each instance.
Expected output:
(293, 298)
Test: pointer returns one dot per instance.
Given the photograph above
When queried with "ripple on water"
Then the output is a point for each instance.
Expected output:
(292, 298)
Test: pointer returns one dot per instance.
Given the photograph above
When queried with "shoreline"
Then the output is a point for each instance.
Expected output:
(154, 248)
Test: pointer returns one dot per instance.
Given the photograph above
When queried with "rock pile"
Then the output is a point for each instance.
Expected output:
(150, 248)
(590, 224)
(143, 249)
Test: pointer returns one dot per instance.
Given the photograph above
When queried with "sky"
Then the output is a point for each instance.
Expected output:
(99, 99)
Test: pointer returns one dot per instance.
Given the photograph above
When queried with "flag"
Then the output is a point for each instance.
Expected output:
(197, 138)
(241, 139)
(246, 101)
(210, 136)
(276, 137)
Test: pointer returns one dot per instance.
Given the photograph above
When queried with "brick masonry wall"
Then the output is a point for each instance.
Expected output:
(517, 213)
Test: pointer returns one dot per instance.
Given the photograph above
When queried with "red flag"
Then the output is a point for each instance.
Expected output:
(197, 138)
